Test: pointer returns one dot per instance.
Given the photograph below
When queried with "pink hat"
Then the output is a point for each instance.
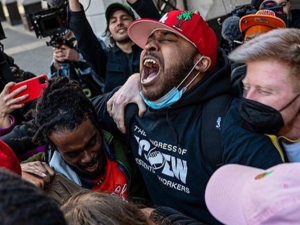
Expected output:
(8, 159)
(238, 195)
(188, 25)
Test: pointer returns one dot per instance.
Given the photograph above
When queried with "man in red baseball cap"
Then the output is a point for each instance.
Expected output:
(191, 124)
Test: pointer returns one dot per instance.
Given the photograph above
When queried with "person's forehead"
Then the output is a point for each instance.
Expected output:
(119, 12)
(162, 33)
(277, 1)
(82, 133)
(269, 71)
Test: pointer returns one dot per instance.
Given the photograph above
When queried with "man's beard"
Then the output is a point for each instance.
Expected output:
(172, 78)
(123, 40)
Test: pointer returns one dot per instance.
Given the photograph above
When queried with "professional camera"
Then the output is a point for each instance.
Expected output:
(57, 40)
(243, 10)
(51, 23)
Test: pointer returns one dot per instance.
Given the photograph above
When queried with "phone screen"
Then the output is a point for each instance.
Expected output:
(64, 70)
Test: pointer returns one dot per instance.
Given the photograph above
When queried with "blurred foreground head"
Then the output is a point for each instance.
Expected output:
(21, 203)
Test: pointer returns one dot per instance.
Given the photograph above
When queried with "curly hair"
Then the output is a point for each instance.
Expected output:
(63, 106)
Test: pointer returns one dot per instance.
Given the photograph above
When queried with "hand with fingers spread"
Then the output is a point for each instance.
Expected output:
(8, 103)
(38, 173)
(128, 93)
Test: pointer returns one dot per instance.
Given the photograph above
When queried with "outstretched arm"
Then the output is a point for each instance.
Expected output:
(74, 5)
(88, 44)
(145, 8)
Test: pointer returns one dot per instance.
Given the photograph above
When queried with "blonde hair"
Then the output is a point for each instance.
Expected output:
(94, 208)
(282, 45)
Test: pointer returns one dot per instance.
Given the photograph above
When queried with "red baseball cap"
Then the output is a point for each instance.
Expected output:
(8, 159)
(187, 25)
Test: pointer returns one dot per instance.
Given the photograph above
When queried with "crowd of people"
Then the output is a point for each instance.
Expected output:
(162, 126)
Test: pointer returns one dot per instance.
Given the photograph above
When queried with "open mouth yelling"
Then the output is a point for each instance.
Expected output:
(150, 71)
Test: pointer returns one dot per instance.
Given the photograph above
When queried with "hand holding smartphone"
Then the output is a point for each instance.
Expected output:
(35, 88)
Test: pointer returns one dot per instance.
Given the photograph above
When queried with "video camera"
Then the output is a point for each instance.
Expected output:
(52, 23)
(57, 40)
(243, 10)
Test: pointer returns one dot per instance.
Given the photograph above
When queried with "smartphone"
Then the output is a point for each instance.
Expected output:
(35, 88)
(64, 69)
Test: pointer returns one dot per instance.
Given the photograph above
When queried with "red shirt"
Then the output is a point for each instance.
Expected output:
(114, 182)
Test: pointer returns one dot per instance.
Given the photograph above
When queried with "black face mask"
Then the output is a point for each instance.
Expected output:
(261, 118)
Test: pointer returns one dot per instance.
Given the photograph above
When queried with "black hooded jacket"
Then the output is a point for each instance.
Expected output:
(166, 145)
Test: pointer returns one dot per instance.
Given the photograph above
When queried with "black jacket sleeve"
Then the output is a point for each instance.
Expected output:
(18, 146)
(245, 147)
(106, 122)
(88, 45)
(146, 9)
(166, 215)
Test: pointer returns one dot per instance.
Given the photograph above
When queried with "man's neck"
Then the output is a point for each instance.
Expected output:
(292, 131)
(126, 47)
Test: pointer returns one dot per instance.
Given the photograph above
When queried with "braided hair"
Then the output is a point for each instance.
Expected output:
(63, 106)
(22, 203)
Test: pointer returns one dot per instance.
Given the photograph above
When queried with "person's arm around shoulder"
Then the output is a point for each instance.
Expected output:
(167, 215)
(128, 93)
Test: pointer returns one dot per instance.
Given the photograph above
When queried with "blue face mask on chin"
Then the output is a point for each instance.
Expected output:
(173, 95)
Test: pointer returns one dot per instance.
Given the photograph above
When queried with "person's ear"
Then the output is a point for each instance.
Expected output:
(204, 63)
